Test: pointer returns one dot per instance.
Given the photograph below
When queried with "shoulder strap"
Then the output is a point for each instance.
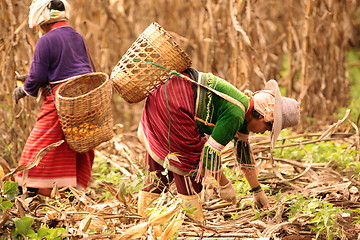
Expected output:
(220, 94)
(88, 55)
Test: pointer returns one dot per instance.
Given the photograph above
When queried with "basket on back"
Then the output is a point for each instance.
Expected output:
(140, 70)
(83, 104)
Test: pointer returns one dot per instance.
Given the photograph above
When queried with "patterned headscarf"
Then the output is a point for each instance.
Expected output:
(283, 112)
(264, 103)
(41, 13)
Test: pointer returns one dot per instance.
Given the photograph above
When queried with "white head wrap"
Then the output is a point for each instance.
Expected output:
(40, 13)
(264, 103)
(283, 112)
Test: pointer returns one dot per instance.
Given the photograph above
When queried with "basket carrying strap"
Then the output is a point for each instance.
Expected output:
(220, 94)
(89, 57)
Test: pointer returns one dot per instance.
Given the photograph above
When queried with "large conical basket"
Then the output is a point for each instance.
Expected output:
(83, 104)
(141, 70)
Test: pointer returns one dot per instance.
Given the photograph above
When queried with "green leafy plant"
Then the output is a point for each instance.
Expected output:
(105, 172)
(10, 190)
(323, 152)
(48, 234)
(257, 214)
(23, 228)
(296, 206)
(321, 215)
(326, 220)
(242, 186)
(353, 57)
(4, 204)
(357, 217)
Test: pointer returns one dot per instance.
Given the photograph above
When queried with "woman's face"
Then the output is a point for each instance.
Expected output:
(258, 125)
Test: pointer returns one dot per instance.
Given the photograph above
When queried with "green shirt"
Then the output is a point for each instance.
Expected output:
(221, 119)
(216, 116)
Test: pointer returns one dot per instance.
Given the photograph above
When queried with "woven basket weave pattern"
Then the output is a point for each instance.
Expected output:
(83, 104)
(134, 76)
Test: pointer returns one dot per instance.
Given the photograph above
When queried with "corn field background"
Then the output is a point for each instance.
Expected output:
(302, 44)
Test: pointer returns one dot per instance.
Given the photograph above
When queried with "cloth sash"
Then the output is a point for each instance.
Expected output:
(167, 127)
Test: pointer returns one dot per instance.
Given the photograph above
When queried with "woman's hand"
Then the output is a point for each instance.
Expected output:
(261, 200)
(21, 78)
(226, 189)
(228, 193)
(18, 94)
(260, 197)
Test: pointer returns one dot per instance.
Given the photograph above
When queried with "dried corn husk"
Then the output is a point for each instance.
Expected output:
(2, 173)
(173, 226)
(85, 223)
(135, 231)
(161, 215)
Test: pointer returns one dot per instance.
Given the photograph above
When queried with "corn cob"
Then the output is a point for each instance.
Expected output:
(82, 130)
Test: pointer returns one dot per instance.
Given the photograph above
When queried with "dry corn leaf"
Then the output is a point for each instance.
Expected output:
(135, 231)
(160, 216)
(98, 224)
(22, 206)
(55, 192)
(173, 226)
(220, 205)
(85, 223)
(2, 173)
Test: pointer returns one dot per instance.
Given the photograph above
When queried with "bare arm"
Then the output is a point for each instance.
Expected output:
(251, 176)
(223, 179)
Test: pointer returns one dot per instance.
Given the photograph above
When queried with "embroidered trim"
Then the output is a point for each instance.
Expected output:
(244, 155)
(209, 95)
(201, 96)
(242, 136)
(210, 163)
(215, 145)
(202, 121)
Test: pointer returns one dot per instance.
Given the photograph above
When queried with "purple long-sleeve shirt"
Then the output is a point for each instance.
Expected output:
(59, 54)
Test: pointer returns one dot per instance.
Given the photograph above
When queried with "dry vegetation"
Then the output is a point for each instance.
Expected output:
(246, 45)
(298, 191)
(301, 44)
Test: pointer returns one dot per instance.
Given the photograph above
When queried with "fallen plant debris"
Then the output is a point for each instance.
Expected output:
(311, 199)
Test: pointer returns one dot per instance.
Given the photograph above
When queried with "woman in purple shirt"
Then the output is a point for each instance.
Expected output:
(59, 54)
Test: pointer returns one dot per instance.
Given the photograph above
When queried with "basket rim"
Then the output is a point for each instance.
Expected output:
(179, 51)
(71, 79)
(176, 46)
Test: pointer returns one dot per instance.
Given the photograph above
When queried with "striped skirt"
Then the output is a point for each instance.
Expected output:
(61, 165)
(168, 129)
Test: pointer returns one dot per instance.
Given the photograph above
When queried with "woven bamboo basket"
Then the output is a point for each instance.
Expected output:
(138, 73)
(83, 104)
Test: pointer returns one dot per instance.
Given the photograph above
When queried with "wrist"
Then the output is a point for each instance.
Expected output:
(223, 179)
(256, 189)
(225, 185)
